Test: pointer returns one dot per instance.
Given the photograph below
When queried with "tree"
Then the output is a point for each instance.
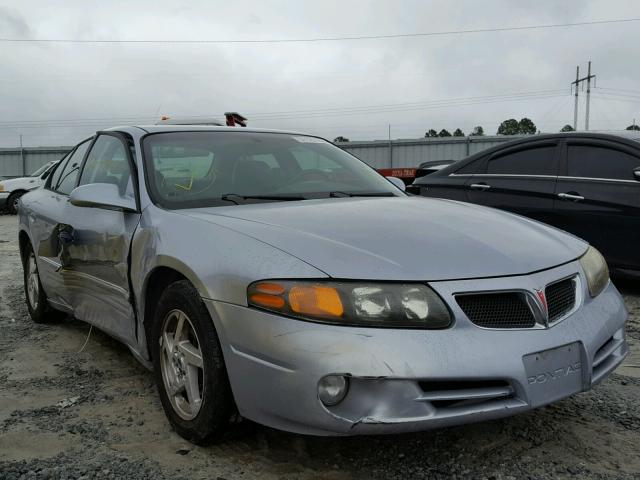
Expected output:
(567, 128)
(477, 131)
(444, 133)
(633, 127)
(526, 127)
(431, 133)
(509, 127)
(512, 127)
(340, 139)
(458, 133)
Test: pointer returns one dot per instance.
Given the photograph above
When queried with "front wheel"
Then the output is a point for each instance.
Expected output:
(12, 202)
(188, 366)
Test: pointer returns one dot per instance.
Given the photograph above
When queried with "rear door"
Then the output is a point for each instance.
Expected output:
(520, 179)
(96, 264)
(47, 223)
(598, 198)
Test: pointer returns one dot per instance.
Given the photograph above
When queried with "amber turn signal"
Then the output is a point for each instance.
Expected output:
(316, 301)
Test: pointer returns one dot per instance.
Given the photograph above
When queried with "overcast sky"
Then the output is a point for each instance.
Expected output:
(75, 89)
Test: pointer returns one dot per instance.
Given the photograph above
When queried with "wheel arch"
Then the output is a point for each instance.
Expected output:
(23, 242)
(156, 281)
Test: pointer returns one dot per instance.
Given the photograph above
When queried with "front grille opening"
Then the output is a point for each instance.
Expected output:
(440, 385)
(561, 298)
(497, 310)
(602, 351)
(463, 393)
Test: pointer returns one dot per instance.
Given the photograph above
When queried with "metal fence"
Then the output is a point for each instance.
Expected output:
(411, 153)
(16, 162)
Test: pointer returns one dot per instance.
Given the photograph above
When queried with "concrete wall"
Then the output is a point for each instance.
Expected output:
(377, 153)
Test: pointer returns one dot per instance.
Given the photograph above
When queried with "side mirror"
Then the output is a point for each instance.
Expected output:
(101, 195)
(398, 183)
(636, 173)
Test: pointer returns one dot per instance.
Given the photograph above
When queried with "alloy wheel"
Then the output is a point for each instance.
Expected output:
(33, 283)
(181, 364)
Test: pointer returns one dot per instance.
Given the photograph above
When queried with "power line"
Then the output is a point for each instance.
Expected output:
(300, 114)
(320, 39)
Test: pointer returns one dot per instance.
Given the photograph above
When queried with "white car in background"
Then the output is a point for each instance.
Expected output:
(12, 189)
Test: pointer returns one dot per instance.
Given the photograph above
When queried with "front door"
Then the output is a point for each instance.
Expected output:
(598, 198)
(96, 260)
(520, 179)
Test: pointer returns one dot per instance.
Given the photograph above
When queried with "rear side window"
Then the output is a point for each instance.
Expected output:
(591, 161)
(532, 161)
(55, 177)
(66, 180)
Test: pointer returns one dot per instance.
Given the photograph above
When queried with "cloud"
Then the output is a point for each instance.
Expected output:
(135, 83)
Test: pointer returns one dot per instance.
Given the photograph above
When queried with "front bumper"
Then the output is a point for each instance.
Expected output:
(396, 376)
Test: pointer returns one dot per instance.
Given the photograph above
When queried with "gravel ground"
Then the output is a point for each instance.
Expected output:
(96, 414)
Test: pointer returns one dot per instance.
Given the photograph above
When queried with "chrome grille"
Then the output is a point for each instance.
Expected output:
(497, 310)
(561, 298)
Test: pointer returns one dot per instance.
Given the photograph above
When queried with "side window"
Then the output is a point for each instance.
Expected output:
(69, 173)
(600, 162)
(532, 161)
(107, 162)
(57, 172)
(470, 168)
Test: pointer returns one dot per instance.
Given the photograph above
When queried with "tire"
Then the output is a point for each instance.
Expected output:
(177, 371)
(35, 296)
(12, 202)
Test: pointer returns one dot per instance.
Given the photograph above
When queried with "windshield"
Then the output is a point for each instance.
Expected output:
(41, 170)
(201, 169)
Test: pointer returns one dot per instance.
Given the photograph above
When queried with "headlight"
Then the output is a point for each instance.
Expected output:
(596, 270)
(391, 305)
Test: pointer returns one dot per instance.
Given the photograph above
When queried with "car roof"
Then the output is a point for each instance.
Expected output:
(626, 136)
(198, 128)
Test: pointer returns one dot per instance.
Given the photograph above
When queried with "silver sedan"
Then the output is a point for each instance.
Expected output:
(273, 275)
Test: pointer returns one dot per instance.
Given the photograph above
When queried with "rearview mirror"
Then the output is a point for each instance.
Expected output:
(636, 173)
(398, 183)
(101, 195)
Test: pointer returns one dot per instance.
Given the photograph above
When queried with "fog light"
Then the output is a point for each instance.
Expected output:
(332, 389)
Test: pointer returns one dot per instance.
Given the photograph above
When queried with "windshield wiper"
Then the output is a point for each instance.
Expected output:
(338, 194)
(234, 197)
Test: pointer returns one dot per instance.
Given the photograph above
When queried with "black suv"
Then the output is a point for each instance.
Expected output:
(585, 183)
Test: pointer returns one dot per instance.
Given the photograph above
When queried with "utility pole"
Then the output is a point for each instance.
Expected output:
(24, 164)
(390, 149)
(577, 83)
(589, 76)
(575, 108)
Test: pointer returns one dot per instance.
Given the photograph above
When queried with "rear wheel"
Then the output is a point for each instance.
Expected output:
(36, 298)
(188, 366)
(12, 202)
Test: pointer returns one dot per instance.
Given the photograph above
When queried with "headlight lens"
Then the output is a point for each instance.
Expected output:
(596, 270)
(399, 305)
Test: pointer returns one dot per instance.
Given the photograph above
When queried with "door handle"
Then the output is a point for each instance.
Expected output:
(479, 186)
(574, 197)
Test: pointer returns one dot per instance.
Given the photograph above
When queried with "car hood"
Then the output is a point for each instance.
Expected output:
(26, 183)
(400, 238)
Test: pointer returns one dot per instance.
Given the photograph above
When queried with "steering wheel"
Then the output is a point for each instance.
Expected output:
(309, 176)
(186, 190)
